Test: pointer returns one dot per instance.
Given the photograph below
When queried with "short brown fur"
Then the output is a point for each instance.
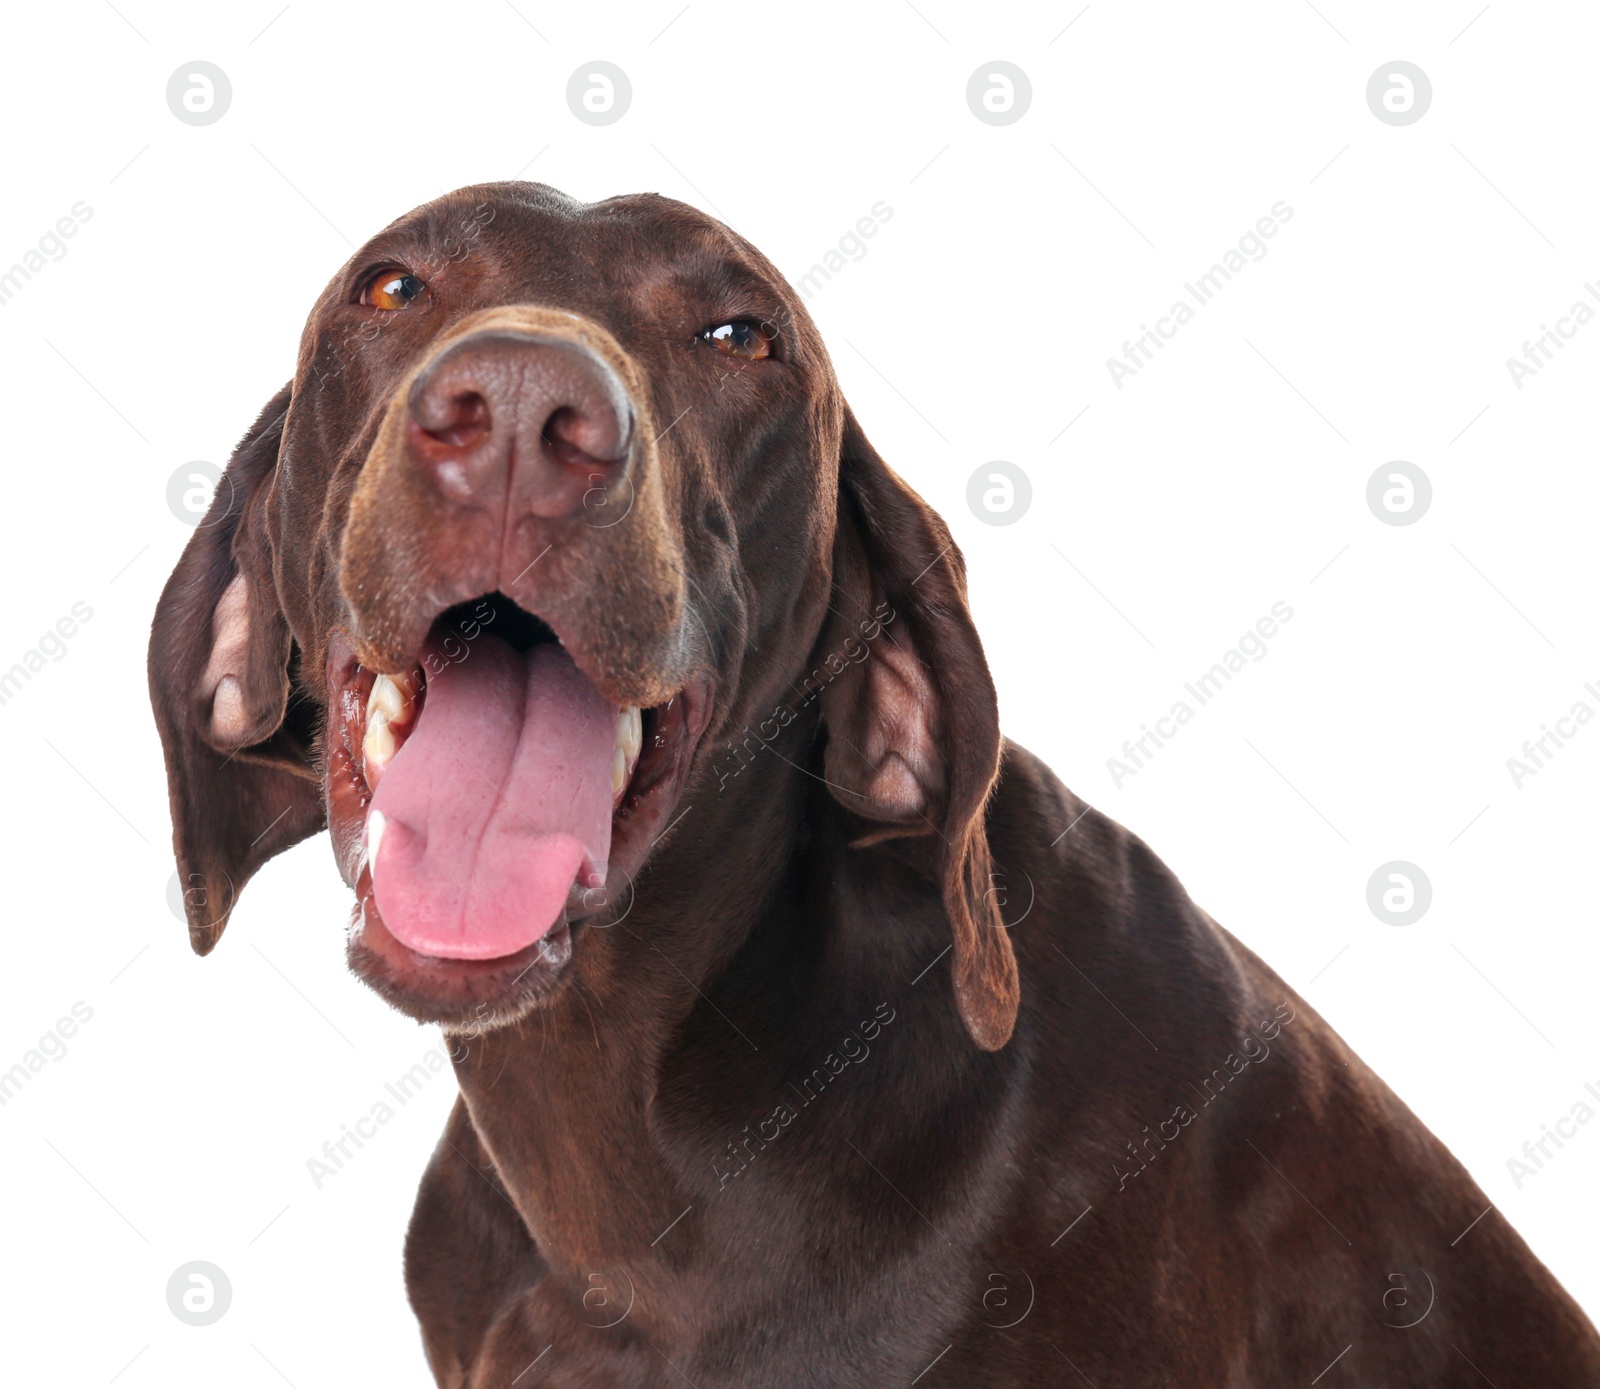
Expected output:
(880, 1076)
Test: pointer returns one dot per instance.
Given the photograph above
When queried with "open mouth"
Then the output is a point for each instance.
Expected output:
(487, 801)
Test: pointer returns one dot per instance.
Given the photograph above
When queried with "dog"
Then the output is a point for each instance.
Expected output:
(807, 1032)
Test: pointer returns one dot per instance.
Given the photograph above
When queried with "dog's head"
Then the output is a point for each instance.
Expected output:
(562, 498)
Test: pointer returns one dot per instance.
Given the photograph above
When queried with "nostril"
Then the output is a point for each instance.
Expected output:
(577, 439)
(459, 419)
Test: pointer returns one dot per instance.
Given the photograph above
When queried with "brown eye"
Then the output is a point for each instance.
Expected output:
(391, 290)
(743, 338)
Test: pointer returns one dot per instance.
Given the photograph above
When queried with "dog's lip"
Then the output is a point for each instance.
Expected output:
(439, 989)
(348, 648)
(454, 992)
(344, 668)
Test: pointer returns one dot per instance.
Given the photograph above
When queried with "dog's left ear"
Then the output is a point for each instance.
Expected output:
(913, 726)
(239, 763)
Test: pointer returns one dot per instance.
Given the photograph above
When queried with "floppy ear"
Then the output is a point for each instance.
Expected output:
(913, 726)
(239, 769)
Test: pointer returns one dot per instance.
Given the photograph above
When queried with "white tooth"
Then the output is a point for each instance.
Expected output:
(379, 744)
(630, 731)
(375, 828)
(619, 772)
(388, 696)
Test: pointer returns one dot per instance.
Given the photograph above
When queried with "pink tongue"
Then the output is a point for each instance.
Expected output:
(497, 803)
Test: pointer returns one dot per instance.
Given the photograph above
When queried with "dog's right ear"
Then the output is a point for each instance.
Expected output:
(913, 724)
(239, 763)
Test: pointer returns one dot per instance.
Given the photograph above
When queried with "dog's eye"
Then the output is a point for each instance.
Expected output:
(392, 289)
(743, 338)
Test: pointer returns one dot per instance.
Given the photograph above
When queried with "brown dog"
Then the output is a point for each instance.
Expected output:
(797, 1042)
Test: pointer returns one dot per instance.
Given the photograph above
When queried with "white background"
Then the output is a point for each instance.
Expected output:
(1229, 474)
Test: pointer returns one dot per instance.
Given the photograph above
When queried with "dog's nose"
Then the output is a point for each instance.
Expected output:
(541, 426)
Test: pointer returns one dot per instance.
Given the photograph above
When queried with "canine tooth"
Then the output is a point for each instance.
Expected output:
(379, 744)
(619, 772)
(388, 696)
(630, 731)
(375, 827)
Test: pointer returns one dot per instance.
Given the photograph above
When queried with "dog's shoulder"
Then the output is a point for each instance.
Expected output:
(1097, 887)
(1096, 917)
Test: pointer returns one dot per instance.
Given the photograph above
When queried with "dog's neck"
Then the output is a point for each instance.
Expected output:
(564, 1100)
